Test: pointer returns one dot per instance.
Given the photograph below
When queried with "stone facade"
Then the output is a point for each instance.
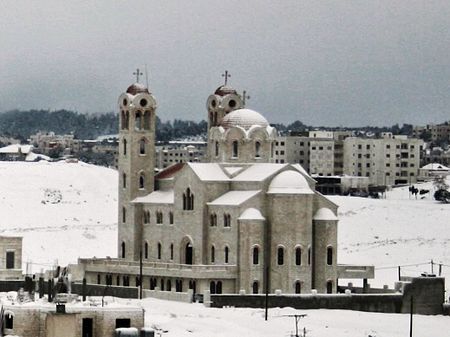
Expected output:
(11, 252)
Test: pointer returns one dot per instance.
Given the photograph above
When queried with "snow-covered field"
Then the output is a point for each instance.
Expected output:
(67, 210)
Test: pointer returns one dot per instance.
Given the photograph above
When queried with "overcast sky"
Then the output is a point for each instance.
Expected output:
(325, 63)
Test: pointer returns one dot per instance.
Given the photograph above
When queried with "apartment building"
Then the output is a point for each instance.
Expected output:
(437, 132)
(179, 152)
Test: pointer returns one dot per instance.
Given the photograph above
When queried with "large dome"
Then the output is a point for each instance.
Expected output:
(137, 88)
(244, 118)
(225, 90)
(289, 182)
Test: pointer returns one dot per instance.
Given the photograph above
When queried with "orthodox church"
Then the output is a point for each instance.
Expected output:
(238, 223)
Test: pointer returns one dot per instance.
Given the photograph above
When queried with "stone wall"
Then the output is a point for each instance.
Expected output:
(100, 290)
(186, 297)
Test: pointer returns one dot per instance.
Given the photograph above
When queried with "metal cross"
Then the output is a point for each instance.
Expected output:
(226, 75)
(244, 97)
(137, 73)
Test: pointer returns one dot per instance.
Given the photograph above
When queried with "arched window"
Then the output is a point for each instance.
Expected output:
(212, 287)
(255, 287)
(189, 254)
(235, 149)
(309, 255)
(118, 280)
(257, 149)
(329, 255)
(188, 200)
(227, 254)
(142, 146)
(216, 148)
(124, 146)
(329, 287)
(127, 120)
(171, 218)
(162, 284)
(122, 119)
(146, 250)
(298, 287)
(169, 285)
(213, 219)
(159, 250)
(138, 121)
(147, 120)
(171, 251)
(141, 181)
(255, 255)
(159, 217)
(213, 254)
(219, 287)
(124, 214)
(280, 256)
(298, 256)
(146, 217)
(126, 281)
(122, 250)
(99, 279)
(124, 180)
(226, 220)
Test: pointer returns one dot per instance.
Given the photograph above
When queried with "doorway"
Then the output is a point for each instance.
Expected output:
(87, 330)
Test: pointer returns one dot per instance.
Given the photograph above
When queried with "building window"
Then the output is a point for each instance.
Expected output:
(147, 120)
(227, 254)
(280, 256)
(329, 287)
(99, 279)
(124, 146)
(141, 181)
(255, 287)
(235, 149)
(142, 146)
(171, 251)
(10, 260)
(329, 256)
(309, 256)
(124, 214)
(213, 254)
(213, 219)
(138, 121)
(188, 200)
(122, 248)
(159, 250)
(146, 217)
(298, 287)
(159, 217)
(171, 218)
(216, 148)
(298, 256)
(146, 250)
(226, 220)
(255, 255)
(257, 149)
(124, 180)
(9, 321)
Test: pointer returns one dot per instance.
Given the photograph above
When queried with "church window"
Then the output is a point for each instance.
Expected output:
(169, 285)
(122, 119)
(127, 120)
(142, 146)
(329, 287)
(171, 218)
(138, 121)
(159, 217)
(124, 144)
(141, 181)
(146, 217)
(255, 287)
(227, 254)
(147, 120)
(124, 180)
(188, 200)
(219, 287)
(171, 251)
(213, 254)
(226, 220)
(212, 287)
(146, 250)
(9, 321)
(216, 148)
(329, 255)
(255, 255)
(99, 279)
(280, 256)
(118, 280)
(298, 287)
(232, 103)
(298, 256)
(257, 149)
(235, 149)
(122, 248)
(213, 219)
(126, 281)
(159, 250)
(10, 260)
(124, 214)
(162, 284)
(309, 255)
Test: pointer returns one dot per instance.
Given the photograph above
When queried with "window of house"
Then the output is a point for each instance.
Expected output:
(171, 218)
(226, 220)
(141, 181)
(188, 200)
(213, 219)
(142, 146)
(159, 217)
(171, 251)
(280, 256)
(255, 255)
(255, 287)
(122, 248)
(213, 254)
(146, 250)
(159, 250)
(227, 254)
(329, 256)
(298, 256)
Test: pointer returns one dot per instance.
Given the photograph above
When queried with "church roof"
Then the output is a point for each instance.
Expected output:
(289, 182)
(157, 197)
(234, 198)
(137, 88)
(245, 118)
(325, 214)
(251, 214)
(224, 90)
(259, 172)
(209, 171)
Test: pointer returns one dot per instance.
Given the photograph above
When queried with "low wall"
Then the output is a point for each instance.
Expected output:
(13, 285)
(169, 295)
(427, 294)
(100, 290)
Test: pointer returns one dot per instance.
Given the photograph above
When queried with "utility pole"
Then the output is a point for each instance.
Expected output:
(432, 266)
(297, 319)
(411, 317)
(399, 273)
(267, 293)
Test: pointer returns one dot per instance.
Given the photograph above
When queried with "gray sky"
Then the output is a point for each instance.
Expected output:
(325, 63)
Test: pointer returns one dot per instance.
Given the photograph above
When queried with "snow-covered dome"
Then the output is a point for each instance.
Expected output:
(245, 118)
(137, 88)
(251, 214)
(325, 214)
(225, 90)
(290, 182)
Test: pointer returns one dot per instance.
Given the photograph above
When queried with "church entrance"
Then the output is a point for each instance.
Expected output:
(188, 254)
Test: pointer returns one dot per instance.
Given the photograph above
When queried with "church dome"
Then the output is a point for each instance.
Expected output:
(137, 88)
(245, 118)
(225, 90)
(289, 182)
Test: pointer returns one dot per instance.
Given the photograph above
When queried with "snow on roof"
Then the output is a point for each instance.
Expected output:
(290, 182)
(31, 156)
(157, 197)
(234, 197)
(244, 118)
(435, 167)
(16, 148)
(209, 171)
(325, 214)
(259, 172)
(251, 214)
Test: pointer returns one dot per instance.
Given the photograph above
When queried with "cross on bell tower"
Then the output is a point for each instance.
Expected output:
(245, 97)
(137, 73)
(226, 75)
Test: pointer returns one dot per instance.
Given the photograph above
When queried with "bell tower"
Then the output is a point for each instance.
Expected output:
(136, 163)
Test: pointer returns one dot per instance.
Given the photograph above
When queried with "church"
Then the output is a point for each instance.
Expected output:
(238, 223)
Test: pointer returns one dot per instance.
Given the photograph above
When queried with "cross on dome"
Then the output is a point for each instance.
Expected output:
(226, 75)
(137, 73)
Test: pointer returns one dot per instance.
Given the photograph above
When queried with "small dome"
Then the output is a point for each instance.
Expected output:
(244, 118)
(251, 214)
(224, 90)
(289, 182)
(137, 88)
(325, 214)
